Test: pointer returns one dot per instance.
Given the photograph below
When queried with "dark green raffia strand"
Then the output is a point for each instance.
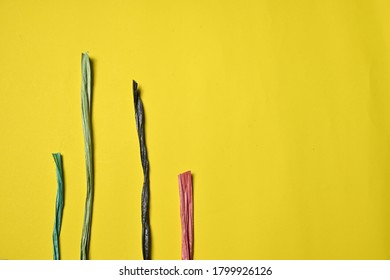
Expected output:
(86, 95)
(59, 206)
(140, 122)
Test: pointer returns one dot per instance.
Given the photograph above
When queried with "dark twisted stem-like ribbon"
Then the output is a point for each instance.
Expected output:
(140, 122)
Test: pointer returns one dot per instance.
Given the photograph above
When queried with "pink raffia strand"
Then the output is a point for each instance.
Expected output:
(186, 215)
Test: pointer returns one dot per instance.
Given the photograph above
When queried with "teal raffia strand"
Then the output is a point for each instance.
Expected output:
(86, 95)
(59, 205)
(140, 122)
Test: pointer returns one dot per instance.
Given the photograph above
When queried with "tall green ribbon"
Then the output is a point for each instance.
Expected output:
(59, 206)
(86, 95)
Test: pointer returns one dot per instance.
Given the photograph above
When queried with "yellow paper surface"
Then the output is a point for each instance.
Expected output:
(281, 110)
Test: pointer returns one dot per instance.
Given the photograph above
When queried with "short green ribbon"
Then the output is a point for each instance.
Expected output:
(59, 205)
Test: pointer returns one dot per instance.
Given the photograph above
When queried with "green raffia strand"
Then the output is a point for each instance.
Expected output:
(140, 122)
(86, 95)
(59, 206)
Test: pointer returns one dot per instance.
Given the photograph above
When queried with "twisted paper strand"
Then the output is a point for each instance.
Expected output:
(86, 95)
(59, 206)
(186, 215)
(140, 122)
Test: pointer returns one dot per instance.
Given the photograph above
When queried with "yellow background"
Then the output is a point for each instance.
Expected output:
(281, 109)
